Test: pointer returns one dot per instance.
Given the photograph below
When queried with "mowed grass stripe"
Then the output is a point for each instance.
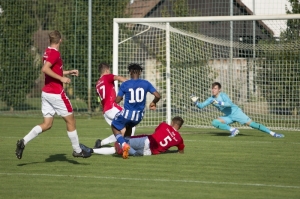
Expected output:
(154, 180)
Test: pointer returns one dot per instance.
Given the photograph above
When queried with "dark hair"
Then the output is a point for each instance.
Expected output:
(102, 67)
(135, 68)
(178, 120)
(216, 84)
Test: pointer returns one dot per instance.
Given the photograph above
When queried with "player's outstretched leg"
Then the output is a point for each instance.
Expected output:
(20, 148)
(265, 129)
(220, 125)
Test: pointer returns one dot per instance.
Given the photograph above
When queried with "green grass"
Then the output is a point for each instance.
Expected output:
(252, 165)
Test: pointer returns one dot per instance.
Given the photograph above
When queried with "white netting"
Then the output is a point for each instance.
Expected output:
(256, 77)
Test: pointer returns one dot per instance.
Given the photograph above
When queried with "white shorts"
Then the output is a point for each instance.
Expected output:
(110, 114)
(56, 103)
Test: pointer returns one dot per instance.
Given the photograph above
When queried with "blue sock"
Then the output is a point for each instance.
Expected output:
(218, 124)
(260, 127)
(127, 139)
(120, 139)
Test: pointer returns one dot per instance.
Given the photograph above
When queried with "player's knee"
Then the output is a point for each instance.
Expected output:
(216, 123)
(46, 126)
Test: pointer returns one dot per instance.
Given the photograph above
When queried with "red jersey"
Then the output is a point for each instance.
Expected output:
(165, 137)
(52, 85)
(105, 88)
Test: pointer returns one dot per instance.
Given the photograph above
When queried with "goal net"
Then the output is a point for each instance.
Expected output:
(258, 71)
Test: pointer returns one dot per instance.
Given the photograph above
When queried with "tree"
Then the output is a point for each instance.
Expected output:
(293, 25)
(280, 69)
(22, 18)
(75, 47)
(18, 69)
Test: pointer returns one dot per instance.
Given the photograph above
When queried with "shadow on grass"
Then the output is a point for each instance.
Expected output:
(224, 134)
(55, 158)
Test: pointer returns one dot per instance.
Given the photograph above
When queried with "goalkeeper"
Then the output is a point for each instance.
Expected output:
(232, 113)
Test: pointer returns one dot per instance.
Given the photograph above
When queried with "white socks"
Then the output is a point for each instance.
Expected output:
(105, 151)
(35, 131)
(75, 141)
(108, 140)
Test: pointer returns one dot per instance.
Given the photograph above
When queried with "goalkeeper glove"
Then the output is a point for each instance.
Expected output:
(194, 99)
(217, 102)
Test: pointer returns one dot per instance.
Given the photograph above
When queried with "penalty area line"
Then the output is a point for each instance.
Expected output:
(154, 180)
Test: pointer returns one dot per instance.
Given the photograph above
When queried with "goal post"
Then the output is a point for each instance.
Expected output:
(180, 57)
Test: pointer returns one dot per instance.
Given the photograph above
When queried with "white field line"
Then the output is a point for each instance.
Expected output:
(154, 180)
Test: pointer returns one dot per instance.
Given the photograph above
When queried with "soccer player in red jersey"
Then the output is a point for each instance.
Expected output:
(105, 87)
(164, 137)
(54, 99)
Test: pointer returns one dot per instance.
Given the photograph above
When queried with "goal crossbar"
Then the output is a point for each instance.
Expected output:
(209, 18)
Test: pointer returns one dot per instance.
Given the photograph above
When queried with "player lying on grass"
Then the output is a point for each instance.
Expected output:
(105, 88)
(232, 113)
(164, 137)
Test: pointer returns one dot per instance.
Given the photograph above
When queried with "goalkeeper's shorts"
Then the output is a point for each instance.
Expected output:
(238, 116)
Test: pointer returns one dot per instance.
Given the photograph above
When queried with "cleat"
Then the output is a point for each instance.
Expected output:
(97, 144)
(126, 149)
(20, 148)
(85, 148)
(82, 154)
(118, 149)
(277, 135)
(234, 133)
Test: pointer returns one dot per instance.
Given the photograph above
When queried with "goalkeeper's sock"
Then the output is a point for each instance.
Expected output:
(218, 124)
(260, 127)
(272, 133)
(35, 131)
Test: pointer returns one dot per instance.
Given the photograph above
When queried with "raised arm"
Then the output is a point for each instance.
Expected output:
(120, 78)
(207, 102)
(71, 72)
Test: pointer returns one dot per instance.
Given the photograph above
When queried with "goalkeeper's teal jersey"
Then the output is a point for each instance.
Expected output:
(228, 108)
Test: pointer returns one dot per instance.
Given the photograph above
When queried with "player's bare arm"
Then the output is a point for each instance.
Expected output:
(157, 97)
(47, 70)
(120, 78)
(118, 99)
(71, 72)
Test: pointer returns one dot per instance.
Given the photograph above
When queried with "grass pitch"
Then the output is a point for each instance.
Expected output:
(251, 165)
